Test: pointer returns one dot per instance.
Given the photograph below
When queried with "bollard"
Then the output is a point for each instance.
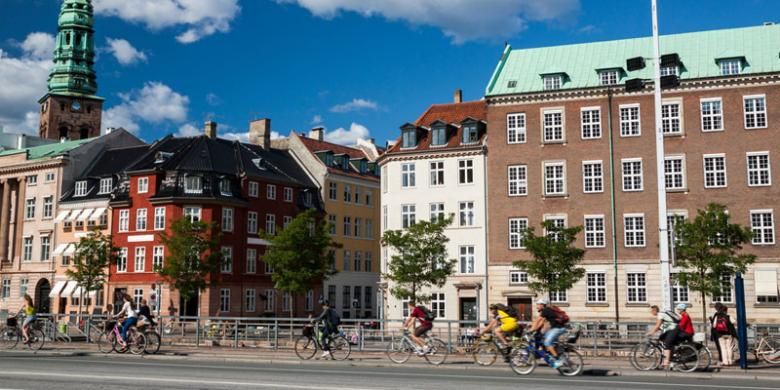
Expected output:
(235, 336)
(276, 335)
(197, 332)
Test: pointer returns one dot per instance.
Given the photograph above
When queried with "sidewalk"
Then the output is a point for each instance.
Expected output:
(593, 366)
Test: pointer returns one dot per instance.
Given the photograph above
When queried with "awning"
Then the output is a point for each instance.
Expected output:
(97, 214)
(79, 292)
(55, 292)
(61, 216)
(59, 249)
(73, 215)
(70, 250)
(766, 282)
(68, 290)
(85, 214)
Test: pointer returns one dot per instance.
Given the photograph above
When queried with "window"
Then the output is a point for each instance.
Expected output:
(591, 123)
(192, 213)
(671, 122)
(159, 218)
(437, 212)
(679, 291)
(287, 219)
(731, 66)
(558, 296)
(594, 231)
(288, 194)
(32, 180)
(369, 230)
(629, 121)
(226, 266)
(755, 112)
(6, 291)
(369, 198)
(384, 217)
(268, 269)
(438, 305)
(251, 261)
(609, 77)
(368, 263)
(637, 287)
(158, 258)
(408, 215)
(121, 262)
(81, 188)
(518, 277)
(140, 219)
(29, 209)
(634, 230)
(726, 290)
(466, 210)
(347, 263)
(49, 177)
(674, 172)
(308, 304)
(632, 174)
(333, 191)
(766, 286)
(407, 175)
(139, 260)
(592, 177)
(286, 301)
(670, 71)
(558, 221)
(515, 128)
(517, 180)
(763, 226)
(384, 180)
(331, 224)
(714, 170)
(409, 138)
(138, 294)
(23, 284)
(106, 184)
(347, 193)
(596, 287)
(143, 185)
(517, 228)
(270, 224)
(470, 134)
(251, 222)
(270, 300)
(347, 226)
(358, 261)
(270, 192)
(711, 114)
(227, 219)
(552, 82)
(27, 246)
(467, 259)
(759, 170)
(224, 299)
(673, 218)
(553, 126)
(438, 136)
(437, 173)
(357, 227)
(193, 184)
(465, 171)
(368, 298)
(224, 187)
(554, 178)
(346, 297)
(250, 300)
(254, 189)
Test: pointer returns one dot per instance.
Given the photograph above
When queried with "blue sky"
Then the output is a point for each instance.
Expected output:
(361, 68)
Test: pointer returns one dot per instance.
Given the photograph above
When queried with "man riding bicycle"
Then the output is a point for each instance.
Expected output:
(674, 329)
(502, 324)
(556, 319)
(419, 314)
(328, 321)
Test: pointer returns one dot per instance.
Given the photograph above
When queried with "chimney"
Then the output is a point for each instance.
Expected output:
(317, 133)
(458, 96)
(210, 128)
(260, 132)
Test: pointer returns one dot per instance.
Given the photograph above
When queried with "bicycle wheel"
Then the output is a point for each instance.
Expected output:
(485, 354)
(106, 342)
(522, 360)
(572, 363)
(8, 338)
(769, 350)
(686, 358)
(137, 343)
(437, 351)
(152, 342)
(399, 351)
(340, 349)
(305, 347)
(705, 357)
(645, 356)
(36, 339)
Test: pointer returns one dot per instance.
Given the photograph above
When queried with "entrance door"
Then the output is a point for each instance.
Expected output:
(42, 291)
(524, 307)
(468, 310)
(118, 302)
(189, 308)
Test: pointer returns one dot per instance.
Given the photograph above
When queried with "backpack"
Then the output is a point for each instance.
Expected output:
(429, 315)
(561, 318)
(674, 316)
(721, 324)
(509, 310)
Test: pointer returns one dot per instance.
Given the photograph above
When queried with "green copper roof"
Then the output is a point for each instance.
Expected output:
(760, 47)
(49, 150)
(74, 53)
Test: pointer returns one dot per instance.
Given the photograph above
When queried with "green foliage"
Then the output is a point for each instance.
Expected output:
(193, 255)
(94, 253)
(419, 259)
(555, 258)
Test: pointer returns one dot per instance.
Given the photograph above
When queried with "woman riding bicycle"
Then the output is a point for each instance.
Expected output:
(30, 316)
(131, 320)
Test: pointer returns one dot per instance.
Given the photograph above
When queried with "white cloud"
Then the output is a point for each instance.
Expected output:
(200, 18)
(462, 20)
(213, 100)
(124, 52)
(154, 103)
(316, 120)
(23, 80)
(355, 105)
(348, 137)
(188, 130)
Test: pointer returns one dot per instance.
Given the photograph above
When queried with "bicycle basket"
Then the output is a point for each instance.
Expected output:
(11, 322)
(308, 331)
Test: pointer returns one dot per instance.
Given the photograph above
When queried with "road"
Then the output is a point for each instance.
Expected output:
(27, 371)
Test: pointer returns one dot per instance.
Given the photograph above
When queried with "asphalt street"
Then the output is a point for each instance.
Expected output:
(28, 371)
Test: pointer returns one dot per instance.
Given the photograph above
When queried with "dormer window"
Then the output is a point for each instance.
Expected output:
(329, 159)
(552, 82)
(193, 184)
(439, 135)
(81, 188)
(363, 166)
(106, 184)
(345, 163)
(672, 70)
(730, 66)
(470, 133)
(409, 138)
(609, 76)
(224, 187)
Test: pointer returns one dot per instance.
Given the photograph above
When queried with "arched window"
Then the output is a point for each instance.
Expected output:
(83, 133)
(67, 39)
(63, 132)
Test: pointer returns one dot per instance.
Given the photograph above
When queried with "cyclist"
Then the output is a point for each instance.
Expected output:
(685, 327)
(419, 314)
(328, 321)
(146, 312)
(30, 316)
(666, 322)
(508, 325)
(131, 320)
(556, 319)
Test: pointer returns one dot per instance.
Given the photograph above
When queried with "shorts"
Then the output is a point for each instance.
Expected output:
(551, 336)
(509, 327)
(422, 329)
(669, 339)
(29, 320)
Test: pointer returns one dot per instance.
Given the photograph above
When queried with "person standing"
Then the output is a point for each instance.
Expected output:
(724, 334)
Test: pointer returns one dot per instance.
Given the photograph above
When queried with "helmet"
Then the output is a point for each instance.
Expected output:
(324, 302)
(542, 302)
(493, 306)
(681, 306)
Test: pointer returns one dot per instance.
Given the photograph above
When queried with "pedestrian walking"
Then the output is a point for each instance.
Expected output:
(724, 334)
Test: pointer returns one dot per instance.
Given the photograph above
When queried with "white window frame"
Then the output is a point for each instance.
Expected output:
(27, 248)
(759, 170)
(253, 189)
(139, 259)
(270, 224)
(518, 278)
(467, 259)
(143, 185)
(466, 172)
(597, 286)
(516, 130)
(517, 227)
(251, 261)
(81, 188)
(670, 121)
(630, 125)
(193, 211)
(595, 236)
(48, 177)
(437, 211)
(552, 82)
(609, 77)
(760, 232)
(590, 122)
(29, 209)
(228, 214)
(288, 194)
(408, 215)
(408, 179)
(141, 220)
(553, 126)
(45, 247)
(439, 304)
(730, 66)
(251, 222)
(270, 300)
(193, 184)
(437, 173)
(224, 300)
(682, 173)
(467, 214)
(106, 184)
(333, 191)
(638, 286)
(672, 70)
(555, 178)
(270, 191)
(757, 114)
(250, 300)
(159, 218)
(636, 234)
(632, 175)
(124, 221)
(712, 114)
(517, 180)
(596, 182)
(226, 263)
(715, 173)
(121, 261)
(158, 258)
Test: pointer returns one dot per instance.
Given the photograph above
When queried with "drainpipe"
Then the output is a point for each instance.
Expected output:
(612, 205)
(487, 247)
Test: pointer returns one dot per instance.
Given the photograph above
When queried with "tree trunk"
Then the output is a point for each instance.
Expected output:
(704, 309)
(292, 309)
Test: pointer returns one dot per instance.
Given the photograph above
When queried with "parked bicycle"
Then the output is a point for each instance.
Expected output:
(649, 354)
(766, 348)
(434, 351)
(307, 345)
(523, 360)
(108, 341)
(11, 334)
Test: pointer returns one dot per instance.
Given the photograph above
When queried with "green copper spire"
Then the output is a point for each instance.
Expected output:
(74, 54)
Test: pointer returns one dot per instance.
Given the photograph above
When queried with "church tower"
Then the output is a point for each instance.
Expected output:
(70, 109)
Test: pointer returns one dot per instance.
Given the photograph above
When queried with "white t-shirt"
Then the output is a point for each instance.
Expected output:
(667, 322)
(127, 309)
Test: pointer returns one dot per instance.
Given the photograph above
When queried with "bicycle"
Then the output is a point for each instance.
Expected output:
(11, 334)
(153, 339)
(486, 350)
(108, 340)
(523, 360)
(307, 345)
(648, 355)
(434, 351)
(767, 348)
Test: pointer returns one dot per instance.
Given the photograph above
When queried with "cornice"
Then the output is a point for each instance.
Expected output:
(15, 170)
(433, 153)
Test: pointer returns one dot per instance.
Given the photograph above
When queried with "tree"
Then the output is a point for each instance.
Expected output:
(555, 259)
(419, 259)
(301, 255)
(94, 253)
(707, 249)
(193, 255)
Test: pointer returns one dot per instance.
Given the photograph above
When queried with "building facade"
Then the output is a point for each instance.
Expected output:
(569, 144)
(436, 170)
